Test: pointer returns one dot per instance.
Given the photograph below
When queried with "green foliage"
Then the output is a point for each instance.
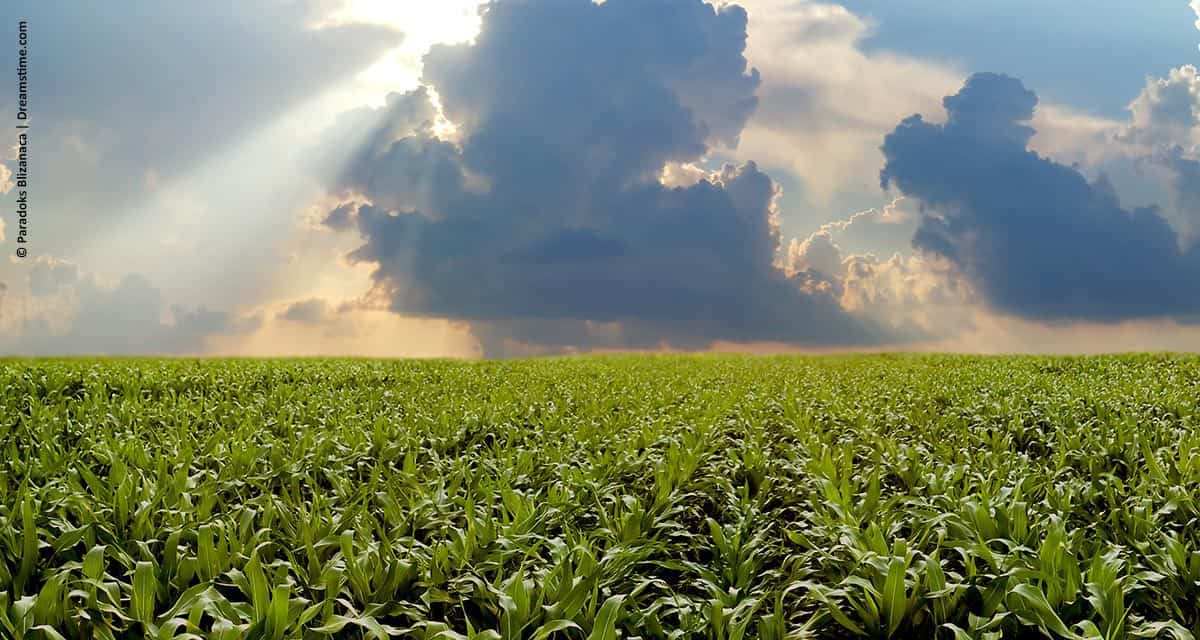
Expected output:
(660, 498)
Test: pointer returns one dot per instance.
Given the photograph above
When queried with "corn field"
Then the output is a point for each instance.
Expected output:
(715, 497)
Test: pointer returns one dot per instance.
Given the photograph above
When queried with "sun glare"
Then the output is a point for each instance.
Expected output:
(423, 24)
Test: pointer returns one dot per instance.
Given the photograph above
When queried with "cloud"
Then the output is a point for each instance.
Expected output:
(822, 252)
(1163, 138)
(280, 59)
(551, 207)
(675, 56)
(1195, 6)
(65, 311)
(1167, 111)
(353, 332)
(830, 92)
(1032, 237)
(320, 317)
(914, 297)
(1071, 137)
(1149, 159)
(359, 136)
(825, 100)
(816, 253)
(883, 230)
(48, 276)
(313, 311)
(130, 88)
(523, 338)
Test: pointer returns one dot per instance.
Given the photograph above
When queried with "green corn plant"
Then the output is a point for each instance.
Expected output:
(879, 600)
(665, 498)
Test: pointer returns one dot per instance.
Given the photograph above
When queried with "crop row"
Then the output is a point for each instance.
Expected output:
(716, 497)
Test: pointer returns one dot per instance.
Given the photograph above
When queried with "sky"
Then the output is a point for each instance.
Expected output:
(456, 178)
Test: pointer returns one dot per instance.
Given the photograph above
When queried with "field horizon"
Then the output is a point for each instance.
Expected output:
(698, 355)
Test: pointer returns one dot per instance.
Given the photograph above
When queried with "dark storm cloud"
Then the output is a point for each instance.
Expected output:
(542, 64)
(551, 209)
(1033, 236)
(359, 136)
